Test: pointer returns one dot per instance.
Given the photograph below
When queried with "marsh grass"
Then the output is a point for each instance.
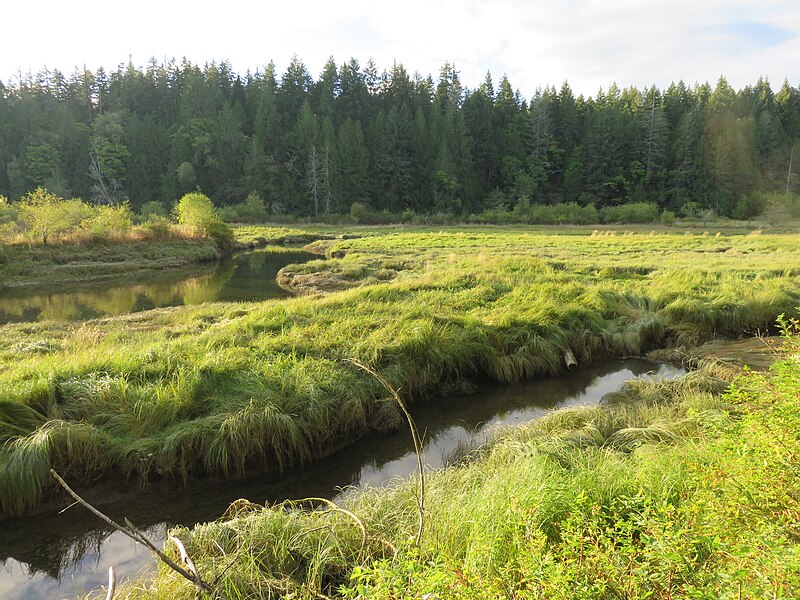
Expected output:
(68, 262)
(680, 491)
(225, 389)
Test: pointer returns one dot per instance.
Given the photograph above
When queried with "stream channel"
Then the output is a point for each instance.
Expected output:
(248, 276)
(67, 555)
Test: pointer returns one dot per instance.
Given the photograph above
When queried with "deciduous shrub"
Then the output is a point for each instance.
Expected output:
(153, 207)
(49, 217)
(637, 212)
(108, 221)
(196, 212)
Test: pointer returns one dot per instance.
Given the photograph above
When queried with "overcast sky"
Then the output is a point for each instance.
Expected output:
(590, 43)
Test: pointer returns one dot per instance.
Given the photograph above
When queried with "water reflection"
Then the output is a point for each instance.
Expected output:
(69, 554)
(246, 277)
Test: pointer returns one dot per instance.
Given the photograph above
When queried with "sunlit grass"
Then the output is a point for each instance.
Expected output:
(225, 388)
(673, 489)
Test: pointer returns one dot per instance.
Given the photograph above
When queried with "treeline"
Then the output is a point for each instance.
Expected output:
(391, 141)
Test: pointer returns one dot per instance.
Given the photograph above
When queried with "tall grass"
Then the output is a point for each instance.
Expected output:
(221, 389)
(665, 492)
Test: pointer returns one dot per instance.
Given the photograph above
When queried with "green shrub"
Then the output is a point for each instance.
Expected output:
(494, 216)
(691, 210)
(8, 231)
(769, 204)
(153, 207)
(562, 214)
(667, 218)
(196, 212)
(156, 227)
(108, 221)
(252, 210)
(749, 207)
(49, 217)
(255, 210)
(366, 216)
(222, 235)
(8, 212)
(636, 212)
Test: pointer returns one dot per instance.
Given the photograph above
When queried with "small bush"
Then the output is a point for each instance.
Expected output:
(691, 210)
(109, 221)
(749, 207)
(156, 227)
(667, 218)
(153, 207)
(196, 212)
(252, 210)
(8, 231)
(636, 212)
(49, 217)
(363, 215)
(8, 212)
(570, 213)
(771, 202)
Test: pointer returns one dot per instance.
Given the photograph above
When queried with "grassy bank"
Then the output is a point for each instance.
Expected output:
(226, 388)
(680, 489)
(67, 262)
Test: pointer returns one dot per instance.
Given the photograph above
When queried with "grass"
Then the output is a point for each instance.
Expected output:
(675, 489)
(225, 389)
(66, 262)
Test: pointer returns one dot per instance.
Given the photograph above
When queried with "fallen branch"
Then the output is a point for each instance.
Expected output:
(415, 437)
(139, 537)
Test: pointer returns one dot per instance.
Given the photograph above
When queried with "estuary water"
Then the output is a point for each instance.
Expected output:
(245, 277)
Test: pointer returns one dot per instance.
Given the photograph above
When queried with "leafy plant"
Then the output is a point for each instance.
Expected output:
(196, 212)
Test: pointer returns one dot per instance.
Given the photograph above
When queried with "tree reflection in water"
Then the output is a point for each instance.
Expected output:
(247, 277)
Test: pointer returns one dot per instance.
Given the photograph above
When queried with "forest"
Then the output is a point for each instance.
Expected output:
(363, 139)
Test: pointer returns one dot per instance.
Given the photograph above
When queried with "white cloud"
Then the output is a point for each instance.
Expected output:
(591, 43)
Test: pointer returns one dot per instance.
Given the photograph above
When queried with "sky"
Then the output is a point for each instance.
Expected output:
(589, 43)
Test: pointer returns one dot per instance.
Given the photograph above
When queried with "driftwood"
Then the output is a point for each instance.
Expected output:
(130, 530)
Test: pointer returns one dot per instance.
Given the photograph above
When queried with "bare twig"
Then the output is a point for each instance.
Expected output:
(414, 435)
(112, 583)
(137, 536)
(189, 563)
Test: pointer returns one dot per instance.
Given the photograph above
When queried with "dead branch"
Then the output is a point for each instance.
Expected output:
(138, 536)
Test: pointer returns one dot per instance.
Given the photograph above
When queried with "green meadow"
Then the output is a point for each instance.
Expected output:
(225, 389)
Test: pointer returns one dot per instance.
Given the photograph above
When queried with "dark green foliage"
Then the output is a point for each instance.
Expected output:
(391, 141)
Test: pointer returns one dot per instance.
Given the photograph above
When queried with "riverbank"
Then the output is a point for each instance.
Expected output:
(682, 489)
(69, 262)
(227, 389)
